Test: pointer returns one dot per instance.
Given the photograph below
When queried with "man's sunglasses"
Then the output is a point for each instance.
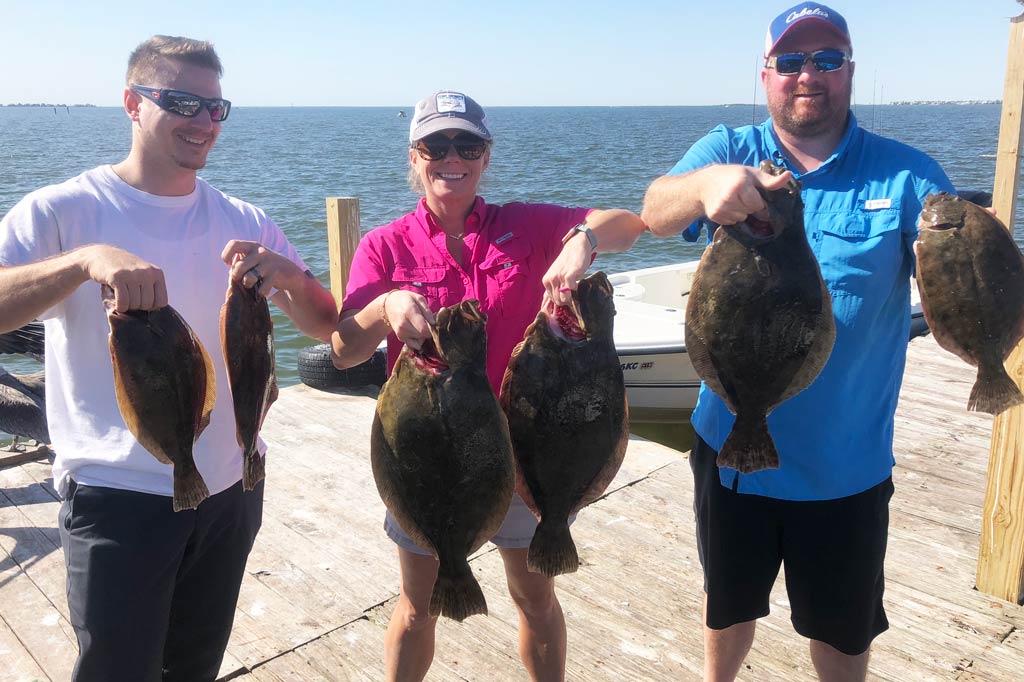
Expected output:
(435, 147)
(793, 62)
(185, 103)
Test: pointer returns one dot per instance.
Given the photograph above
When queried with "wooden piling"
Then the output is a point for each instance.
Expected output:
(1001, 550)
(342, 240)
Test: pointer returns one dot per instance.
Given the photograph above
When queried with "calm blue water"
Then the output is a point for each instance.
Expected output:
(287, 160)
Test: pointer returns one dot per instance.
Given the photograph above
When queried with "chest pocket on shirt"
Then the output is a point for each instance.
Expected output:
(426, 280)
(854, 247)
(506, 271)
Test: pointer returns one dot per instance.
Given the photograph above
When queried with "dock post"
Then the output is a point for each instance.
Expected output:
(342, 240)
(1001, 550)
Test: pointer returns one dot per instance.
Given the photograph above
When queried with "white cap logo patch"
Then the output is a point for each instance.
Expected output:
(451, 102)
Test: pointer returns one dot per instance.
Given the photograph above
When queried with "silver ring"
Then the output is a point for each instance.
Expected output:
(254, 272)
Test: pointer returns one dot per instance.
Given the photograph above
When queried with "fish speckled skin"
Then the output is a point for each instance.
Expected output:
(165, 388)
(565, 399)
(970, 275)
(759, 324)
(247, 341)
(441, 454)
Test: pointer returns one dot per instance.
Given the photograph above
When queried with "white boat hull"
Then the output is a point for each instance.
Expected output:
(650, 305)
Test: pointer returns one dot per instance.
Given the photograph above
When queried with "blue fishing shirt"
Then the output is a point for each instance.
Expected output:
(860, 214)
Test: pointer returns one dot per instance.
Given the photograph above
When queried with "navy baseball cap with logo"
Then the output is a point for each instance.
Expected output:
(802, 15)
(448, 110)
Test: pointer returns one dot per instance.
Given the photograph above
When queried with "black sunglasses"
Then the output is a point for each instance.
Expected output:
(793, 62)
(185, 103)
(435, 147)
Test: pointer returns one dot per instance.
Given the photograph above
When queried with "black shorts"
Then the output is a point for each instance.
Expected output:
(834, 552)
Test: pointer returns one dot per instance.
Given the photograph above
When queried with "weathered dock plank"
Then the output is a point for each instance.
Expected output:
(322, 579)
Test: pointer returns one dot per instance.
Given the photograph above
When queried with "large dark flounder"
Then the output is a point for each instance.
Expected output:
(441, 454)
(971, 278)
(247, 341)
(165, 389)
(565, 400)
(759, 325)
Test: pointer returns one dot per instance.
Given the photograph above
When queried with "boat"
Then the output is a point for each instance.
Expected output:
(650, 307)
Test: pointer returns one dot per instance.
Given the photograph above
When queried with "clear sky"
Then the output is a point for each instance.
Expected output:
(509, 52)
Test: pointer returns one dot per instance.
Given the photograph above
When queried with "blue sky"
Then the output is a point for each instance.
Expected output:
(530, 52)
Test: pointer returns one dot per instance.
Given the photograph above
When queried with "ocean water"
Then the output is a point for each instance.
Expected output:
(288, 160)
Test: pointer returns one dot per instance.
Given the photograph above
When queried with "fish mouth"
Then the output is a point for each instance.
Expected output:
(428, 359)
(566, 322)
(756, 228)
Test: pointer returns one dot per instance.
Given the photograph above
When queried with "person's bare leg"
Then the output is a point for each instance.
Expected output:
(409, 642)
(835, 666)
(542, 637)
(725, 650)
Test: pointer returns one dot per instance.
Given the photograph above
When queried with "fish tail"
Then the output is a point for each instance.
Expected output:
(253, 469)
(189, 488)
(552, 551)
(994, 391)
(749, 447)
(457, 594)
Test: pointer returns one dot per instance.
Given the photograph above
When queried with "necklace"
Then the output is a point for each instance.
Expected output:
(457, 237)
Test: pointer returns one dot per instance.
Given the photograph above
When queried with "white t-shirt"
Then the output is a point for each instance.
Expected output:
(184, 236)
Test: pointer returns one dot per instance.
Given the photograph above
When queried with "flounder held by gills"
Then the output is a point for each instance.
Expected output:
(247, 340)
(165, 388)
(970, 275)
(565, 399)
(441, 454)
(759, 325)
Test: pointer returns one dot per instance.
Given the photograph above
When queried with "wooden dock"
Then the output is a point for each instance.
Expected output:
(322, 579)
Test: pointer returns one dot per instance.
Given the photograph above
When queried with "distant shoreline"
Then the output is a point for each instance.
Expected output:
(19, 104)
(944, 101)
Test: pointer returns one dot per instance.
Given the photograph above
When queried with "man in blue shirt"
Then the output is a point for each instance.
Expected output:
(824, 512)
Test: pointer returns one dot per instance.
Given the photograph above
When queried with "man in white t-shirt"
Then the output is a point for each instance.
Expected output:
(151, 591)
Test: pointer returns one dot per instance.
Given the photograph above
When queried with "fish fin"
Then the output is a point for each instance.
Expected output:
(552, 551)
(253, 469)
(272, 393)
(189, 488)
(211, 389)
(457, 594)
(994, 391)
(749, 447)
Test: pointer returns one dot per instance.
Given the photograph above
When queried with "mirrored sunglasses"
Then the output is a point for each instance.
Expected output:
(793, 62)
(435, 147)
(185, 103)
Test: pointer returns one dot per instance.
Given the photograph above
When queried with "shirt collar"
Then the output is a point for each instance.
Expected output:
(473, 221)
(774, 149)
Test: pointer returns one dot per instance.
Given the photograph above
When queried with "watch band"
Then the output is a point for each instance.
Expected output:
(582, 227)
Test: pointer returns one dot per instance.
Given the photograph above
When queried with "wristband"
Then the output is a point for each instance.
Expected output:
(383, 311)
(582, 227)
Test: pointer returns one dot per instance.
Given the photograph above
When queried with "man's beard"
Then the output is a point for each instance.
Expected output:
(806, 123)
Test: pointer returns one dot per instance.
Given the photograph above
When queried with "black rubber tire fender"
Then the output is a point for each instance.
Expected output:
(317, 371)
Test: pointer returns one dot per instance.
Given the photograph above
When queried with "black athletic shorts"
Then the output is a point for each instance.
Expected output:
(833, 550)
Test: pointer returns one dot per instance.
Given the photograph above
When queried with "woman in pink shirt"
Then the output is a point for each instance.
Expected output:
(454, 246)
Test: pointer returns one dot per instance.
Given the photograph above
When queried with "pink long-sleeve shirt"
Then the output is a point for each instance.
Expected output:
(506, 249)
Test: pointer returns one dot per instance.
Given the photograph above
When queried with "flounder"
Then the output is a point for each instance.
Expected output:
(247, 341)
(166, 389)
(565, 399)
(759, 325)
(970, 274)
(441, 454)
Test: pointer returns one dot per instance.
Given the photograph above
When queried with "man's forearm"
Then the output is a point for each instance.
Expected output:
(26, 291)
(672, 203)
(310, 307)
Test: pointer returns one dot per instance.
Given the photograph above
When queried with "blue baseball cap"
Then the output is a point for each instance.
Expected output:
(805, 14)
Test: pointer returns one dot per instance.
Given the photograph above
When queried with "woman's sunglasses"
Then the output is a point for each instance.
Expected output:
(185, 103)
(793, 62)
(435, 147)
